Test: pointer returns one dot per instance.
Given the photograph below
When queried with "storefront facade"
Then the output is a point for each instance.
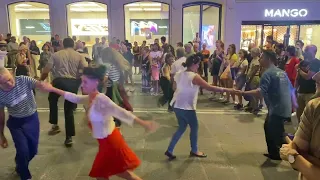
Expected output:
(117, 16)
(287, 22)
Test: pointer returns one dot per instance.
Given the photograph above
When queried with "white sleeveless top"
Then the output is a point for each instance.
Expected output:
(186, 95)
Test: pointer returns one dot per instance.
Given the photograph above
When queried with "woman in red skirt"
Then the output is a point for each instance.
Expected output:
(114, 156)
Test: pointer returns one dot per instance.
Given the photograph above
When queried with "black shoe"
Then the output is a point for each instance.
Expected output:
(238, 106)
(260, 106)
(170, 156)
(276, 157)
(192, 154)
(68, 142)
(255, 112)
(54, 130)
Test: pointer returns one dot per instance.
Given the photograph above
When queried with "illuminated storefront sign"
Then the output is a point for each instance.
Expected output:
(285, 13)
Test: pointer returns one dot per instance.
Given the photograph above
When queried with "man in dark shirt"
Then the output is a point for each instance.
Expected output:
(306, 86)
(279, 96)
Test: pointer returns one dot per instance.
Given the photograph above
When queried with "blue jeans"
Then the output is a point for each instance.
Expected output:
(25, 135)
(185, 118)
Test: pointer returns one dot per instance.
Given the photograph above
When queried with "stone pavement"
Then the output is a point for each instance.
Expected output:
(233, 141)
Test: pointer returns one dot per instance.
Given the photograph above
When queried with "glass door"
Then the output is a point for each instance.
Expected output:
(281, 34)
(210, 26)
(267, 31)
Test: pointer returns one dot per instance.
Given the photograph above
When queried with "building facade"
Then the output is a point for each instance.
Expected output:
(238, 22)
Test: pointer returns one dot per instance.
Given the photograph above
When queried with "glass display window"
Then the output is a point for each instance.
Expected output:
(87, 21)
(202, 19)
(283, 32)
(146, 21)
(35, 25)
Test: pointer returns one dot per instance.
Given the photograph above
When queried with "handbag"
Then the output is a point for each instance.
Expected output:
(226, 73)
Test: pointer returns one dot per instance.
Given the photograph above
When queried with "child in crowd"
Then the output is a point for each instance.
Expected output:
(155, 61)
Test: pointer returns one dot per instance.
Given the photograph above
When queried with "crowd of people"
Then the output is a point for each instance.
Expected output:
(285, 78)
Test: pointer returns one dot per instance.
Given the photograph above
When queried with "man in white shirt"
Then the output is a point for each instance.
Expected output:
(177, 65)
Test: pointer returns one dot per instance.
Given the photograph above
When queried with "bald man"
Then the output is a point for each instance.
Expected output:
(16, 94)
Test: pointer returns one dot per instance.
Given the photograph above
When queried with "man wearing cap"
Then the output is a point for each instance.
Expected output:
(16, 95)
(303, 152)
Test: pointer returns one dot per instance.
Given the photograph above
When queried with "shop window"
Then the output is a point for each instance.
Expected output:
(202, 18)
(250, 34)
(30, 19)
(309, 34)
(87, 21)
(191, 21)
(294, 34)
(210, 26)
(146, 21)
(267, 31)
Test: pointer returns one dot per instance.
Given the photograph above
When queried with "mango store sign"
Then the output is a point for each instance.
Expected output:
(285, 13)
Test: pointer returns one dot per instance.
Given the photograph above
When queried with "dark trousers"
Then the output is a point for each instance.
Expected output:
(167, 90)
(205, 69)
(274, 133)
(69, 85)
(25, 135)
(109, 94)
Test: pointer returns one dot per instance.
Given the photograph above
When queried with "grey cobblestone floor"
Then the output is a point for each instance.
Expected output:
(233, 141)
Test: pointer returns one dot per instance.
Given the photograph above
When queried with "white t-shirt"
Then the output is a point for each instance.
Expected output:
(177, 65)
(186, 95)
(155, 54)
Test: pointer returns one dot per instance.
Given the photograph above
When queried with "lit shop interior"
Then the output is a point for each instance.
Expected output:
(87, 21)
(282, 32)
(146, 21)
(30, 19)
(204, 18)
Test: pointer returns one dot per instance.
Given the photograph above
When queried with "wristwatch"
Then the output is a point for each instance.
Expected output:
(292, 158)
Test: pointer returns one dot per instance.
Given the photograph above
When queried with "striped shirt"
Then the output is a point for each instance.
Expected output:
(114, 74)
(20, 100)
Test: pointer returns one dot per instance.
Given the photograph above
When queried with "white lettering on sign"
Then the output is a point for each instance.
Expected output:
(163, 27)
(285, 13)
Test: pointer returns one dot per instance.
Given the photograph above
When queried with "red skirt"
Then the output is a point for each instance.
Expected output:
(114, 157)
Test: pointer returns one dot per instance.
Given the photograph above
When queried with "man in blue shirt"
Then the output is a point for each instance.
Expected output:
(16, 94)
(279, 95)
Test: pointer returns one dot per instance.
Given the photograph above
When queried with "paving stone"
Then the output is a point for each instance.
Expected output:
(233, 141)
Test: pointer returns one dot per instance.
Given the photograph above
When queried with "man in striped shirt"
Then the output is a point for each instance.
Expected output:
(66, 66)
(17, 95)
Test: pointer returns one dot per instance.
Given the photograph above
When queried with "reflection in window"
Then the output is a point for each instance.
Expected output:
(210, 26)
(309, 34)
(146, 21)
(191, 22)
(87, 21)
(35, 25)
